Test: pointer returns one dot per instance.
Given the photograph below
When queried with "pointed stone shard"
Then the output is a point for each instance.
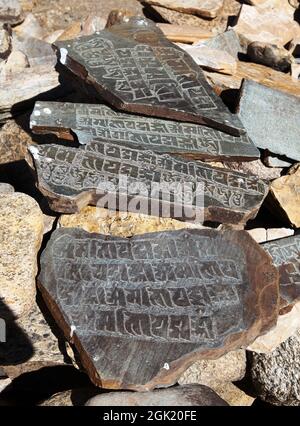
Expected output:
(271, 118)
(142, 310)
(286, 256)
(205, 9)
(189, 395)
(101, 123)
(135, 68)
(120, 177)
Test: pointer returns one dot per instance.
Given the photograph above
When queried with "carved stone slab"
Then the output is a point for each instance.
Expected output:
(134, 67)
(286, 256)
(72, 178)
(204, 8)
(99, 122)
(141, 310)
(271, 118)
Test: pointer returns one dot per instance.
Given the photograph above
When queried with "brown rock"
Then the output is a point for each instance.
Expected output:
(194, 102)
(266, 25)
(286, 196)
(270, 55)
(229, 368)
(190, 395)
(145, 356)
(184, 33)
(118, 16)
(14, 142)
(21, 224)
(120, 224)
(233, 395)
(205, 9)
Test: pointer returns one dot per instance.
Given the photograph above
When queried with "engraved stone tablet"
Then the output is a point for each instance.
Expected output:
(99, 122)
(134, 67)
(271, 118)
(141, 310)
(115, 176)
(286, 256)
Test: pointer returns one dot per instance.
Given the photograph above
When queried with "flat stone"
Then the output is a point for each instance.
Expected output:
(276, 233)
(256, 72)
(213, 59)
(286, 197)
(178, 91)
(144, 338)
(287, 325)
(10, 12)
(295, 72)
(99, 122)
(191, 395)
(212, 372)
(258, 234)
(275, 375)
(228, 42)
(272, 160)
(13, 142)
(270, 118)
(270, 55)
(38, 52)
(206, 9)
(120, 224)
(30, 28)
(266, 25)
(33, 341)
(217, 25)
(6, 188)
(5, 43)
(285, 253)
(113, 176)
(21, 223)
(233, 395)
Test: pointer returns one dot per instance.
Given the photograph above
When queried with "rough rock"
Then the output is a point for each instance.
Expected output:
(70, 398)
(206, 9)
(286, 196)
(120, 224)
(30, 28)
(14, 142)
(228, 42)
(10, 12)
(270, 118)
(16, 63)
(21, 223)
(266, 25)
(276, 375)
(6, 188)
(233, 395)
(272, 160)
(270, 55)
(229, 368)
(189, 395)
(287, 325)
(213, 59)
(5, 43)
(156, 355)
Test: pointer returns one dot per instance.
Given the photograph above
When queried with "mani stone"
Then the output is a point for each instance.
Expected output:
(285, 196)
(99, 122)
(140, 311)
(21, 224)
(134, 67)
(271, 118)
(205, 9)
(120, 224)
(189, 396)
(118, 177)
(275, 375)
(285, 253)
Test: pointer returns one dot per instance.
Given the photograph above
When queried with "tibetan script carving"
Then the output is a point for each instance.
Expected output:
(141, 310)
(99, 122)
(286, 256)
(115, 176)
(135, 68)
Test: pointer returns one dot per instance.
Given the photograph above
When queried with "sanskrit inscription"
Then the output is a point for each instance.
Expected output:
(286, 256)
(134, 67)
(161, 295)
(184, 189)
(101, 123)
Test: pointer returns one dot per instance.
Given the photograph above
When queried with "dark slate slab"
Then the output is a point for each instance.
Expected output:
(72, 178)
(177, 396)
(99, 122)
(141, 310)
(134, 67)
(271, 118)
(285, 253)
